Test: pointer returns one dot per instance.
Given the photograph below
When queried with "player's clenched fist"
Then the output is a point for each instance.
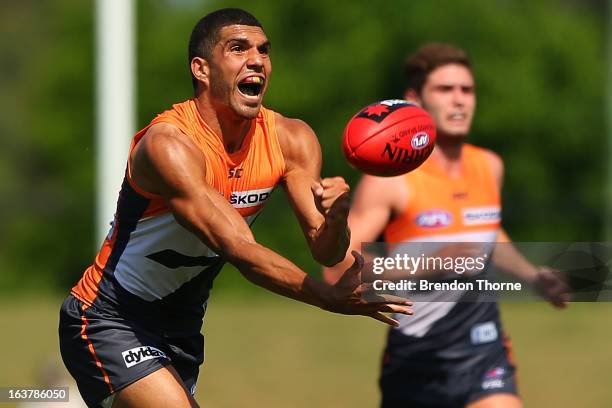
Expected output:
(348, 297)
(332, 199)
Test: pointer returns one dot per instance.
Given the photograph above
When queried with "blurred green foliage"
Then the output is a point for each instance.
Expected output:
(539, 68)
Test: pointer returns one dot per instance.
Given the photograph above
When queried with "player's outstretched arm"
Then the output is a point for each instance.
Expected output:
(375, 200)
(546, 281)
(167, 162)
(506, 257)
(321, 205)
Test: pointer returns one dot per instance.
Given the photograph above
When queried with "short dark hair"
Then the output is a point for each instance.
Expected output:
(429, 57)
(205, 34)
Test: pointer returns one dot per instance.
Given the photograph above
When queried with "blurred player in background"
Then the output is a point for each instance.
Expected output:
(449, 354)
(196, 178)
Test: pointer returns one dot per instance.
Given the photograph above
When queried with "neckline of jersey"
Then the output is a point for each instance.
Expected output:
(233, 158)
(435, 167)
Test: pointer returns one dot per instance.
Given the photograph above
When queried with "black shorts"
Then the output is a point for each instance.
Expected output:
(105, 352)
(454, 386)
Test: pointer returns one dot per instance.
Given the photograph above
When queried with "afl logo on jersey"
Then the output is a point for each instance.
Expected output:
(419, 141)
(434, 219)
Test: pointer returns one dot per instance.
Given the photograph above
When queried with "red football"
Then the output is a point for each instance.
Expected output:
(389, 138)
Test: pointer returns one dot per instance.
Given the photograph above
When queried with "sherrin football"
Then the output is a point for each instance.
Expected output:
(389, 138)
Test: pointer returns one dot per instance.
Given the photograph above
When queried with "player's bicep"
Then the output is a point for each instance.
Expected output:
(371, 210)
(367, 225)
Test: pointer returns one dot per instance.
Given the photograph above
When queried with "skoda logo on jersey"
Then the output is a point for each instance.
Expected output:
(481, 215)
(419, 141)
(433, 219)
(250, 198)
(137, 355)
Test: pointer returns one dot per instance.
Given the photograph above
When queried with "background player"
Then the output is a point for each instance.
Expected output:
(448, 354)
(197, 175)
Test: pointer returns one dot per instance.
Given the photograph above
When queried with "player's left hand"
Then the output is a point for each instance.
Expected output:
(552, 287)
(349, 297)
(332, 199)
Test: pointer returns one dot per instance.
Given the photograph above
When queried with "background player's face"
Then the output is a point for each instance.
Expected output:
(240, 69)
(448, 95)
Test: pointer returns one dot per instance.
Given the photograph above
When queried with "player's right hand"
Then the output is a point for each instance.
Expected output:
(552, 286)
(332, 200)
(348, 297)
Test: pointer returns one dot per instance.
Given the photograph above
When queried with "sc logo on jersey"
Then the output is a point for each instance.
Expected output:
(434, 219)
(235, 173)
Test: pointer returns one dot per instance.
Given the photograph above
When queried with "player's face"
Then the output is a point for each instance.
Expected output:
(240, 69)
(448, 95)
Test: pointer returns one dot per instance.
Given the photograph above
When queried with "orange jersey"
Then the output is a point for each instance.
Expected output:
(445, 209)
(146, 251)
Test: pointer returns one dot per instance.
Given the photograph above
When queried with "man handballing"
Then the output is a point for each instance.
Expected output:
(196, 177)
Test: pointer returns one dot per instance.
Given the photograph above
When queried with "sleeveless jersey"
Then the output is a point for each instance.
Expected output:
(149, 262)
(445, 209)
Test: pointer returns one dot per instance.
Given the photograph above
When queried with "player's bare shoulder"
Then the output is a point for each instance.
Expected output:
(298, 141)
(164, 152)
(497, 165)
(162, 137)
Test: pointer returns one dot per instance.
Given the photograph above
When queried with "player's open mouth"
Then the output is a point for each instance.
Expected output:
(251, 86)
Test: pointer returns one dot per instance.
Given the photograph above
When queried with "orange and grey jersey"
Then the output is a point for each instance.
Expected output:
(149, 260)
(445, 209)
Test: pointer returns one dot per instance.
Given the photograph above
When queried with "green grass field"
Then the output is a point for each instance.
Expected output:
(265, 351)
